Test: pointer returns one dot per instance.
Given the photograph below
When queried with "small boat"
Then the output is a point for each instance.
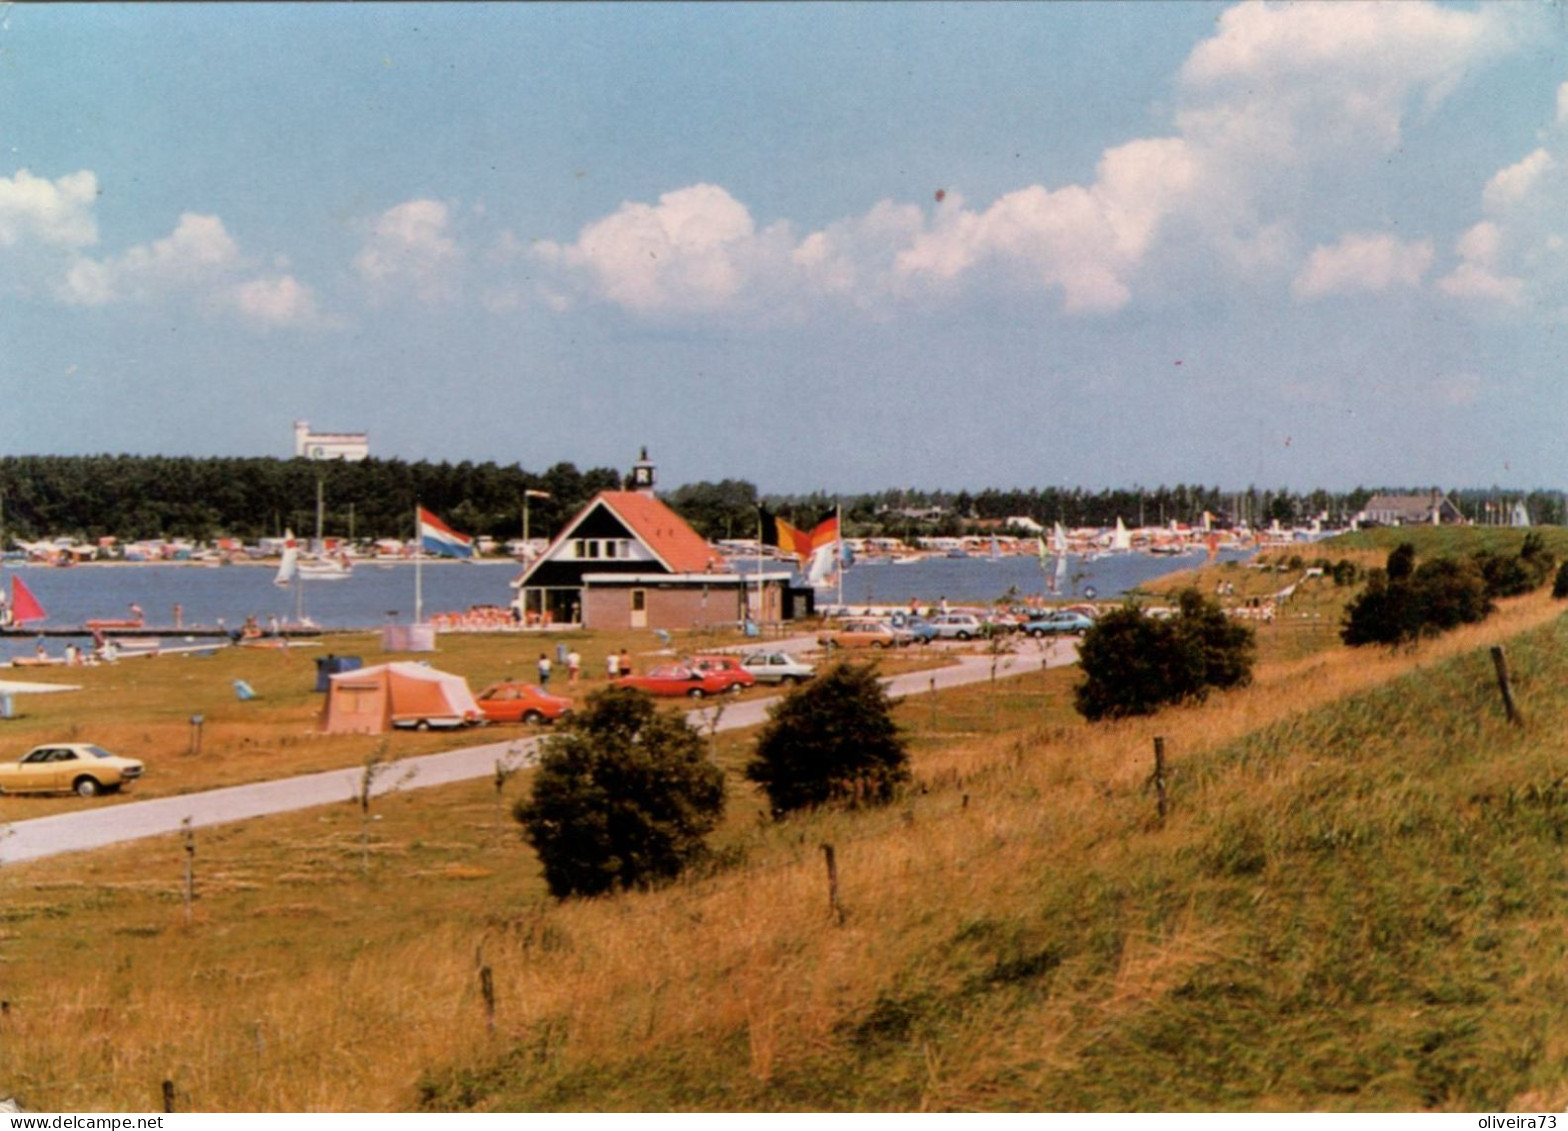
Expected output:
(325, 569)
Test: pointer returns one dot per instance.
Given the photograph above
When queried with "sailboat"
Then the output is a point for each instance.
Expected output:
(1059, 548)
(326, 569)
(292, 573)
(1121, 541)
(996, 551)
(288, 568)
(23, 607)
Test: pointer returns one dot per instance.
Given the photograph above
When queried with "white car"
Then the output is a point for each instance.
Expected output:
(959, 626)
(777, 667)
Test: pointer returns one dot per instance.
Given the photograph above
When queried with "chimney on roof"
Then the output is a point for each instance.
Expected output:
(642, 476)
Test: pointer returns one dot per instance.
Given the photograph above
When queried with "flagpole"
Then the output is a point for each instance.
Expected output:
(419, 562)
(838, 548)
(759, 570)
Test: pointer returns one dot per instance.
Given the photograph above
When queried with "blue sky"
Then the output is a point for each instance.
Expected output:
(839, 246)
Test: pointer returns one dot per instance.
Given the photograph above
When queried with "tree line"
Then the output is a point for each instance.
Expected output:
(134, 497)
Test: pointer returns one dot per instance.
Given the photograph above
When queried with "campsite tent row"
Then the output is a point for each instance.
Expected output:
(402, 694)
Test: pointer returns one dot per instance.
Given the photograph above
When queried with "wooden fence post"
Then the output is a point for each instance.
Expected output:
(189, 835)
(1505, 685)
(168, 1095)
(832, 862)
(1159, 778)
(487, 990)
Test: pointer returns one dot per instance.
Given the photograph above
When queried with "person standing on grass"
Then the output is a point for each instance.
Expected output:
(626, 663)
(612, 665)
(544, 670)
(574, 666)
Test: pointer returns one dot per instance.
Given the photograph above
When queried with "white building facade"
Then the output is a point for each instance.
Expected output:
(351, 446)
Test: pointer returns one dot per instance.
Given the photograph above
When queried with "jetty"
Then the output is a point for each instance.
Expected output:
(148, 631)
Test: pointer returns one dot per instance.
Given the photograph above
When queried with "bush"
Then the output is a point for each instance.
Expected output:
(1402, 561)
(1514, 575)
(1418, 601)
(1560, 585)
(623, 797)
(831, 740)
(1134, 664)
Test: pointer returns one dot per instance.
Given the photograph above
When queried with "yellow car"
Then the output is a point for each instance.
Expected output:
(68, 767)
(867, 634)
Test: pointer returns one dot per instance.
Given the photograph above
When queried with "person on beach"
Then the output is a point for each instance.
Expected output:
(544, 670)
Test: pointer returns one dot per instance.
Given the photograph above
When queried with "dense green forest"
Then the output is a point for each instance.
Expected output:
(134, 497)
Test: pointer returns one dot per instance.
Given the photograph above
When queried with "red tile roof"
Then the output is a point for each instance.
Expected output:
(663, 531)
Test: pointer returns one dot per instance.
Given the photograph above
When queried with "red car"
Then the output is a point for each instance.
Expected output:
(677, 679)
(726, 667)
(522, 703)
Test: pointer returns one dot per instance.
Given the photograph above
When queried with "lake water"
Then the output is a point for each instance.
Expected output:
(380, 593)
(375, 594)
(978, 580)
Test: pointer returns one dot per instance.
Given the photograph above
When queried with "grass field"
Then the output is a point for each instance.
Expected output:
(142, 708)
(1356, 903)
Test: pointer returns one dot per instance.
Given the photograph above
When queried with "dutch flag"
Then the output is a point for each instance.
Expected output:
(436, 537)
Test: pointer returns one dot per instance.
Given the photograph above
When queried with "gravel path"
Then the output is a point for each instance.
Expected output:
(95, 828)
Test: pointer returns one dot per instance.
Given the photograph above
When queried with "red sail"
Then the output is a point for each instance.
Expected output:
(24, 606)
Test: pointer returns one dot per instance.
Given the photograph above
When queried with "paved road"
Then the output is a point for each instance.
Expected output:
(114, 824)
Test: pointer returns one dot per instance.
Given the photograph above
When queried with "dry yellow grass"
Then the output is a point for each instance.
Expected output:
(302, 985)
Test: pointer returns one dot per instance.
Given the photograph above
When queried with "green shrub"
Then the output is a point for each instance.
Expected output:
(1134, 664)
(1405, 602)
(1345, 572)
(623, 797)
(1560, 585)
(831, 740)
(1512, 575)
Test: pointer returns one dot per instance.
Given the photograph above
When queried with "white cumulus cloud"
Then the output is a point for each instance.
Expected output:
(1277, 95)
(57, 213)
(276, 301)
(410, 247)
(1363, 262)
(199, 249)
(695, 249)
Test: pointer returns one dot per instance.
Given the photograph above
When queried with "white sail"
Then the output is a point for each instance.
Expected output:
(1122, 539)
(288, 568)
(820, 568)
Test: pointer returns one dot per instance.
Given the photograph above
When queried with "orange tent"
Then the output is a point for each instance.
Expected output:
(369, 700)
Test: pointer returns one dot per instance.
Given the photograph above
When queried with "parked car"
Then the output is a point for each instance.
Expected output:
(959, 626)
(921, 629)
(510, 702)
(728, 668)
(68, 767)
(867, 634)
(678, 679)
(778, 667)
(1058, 623)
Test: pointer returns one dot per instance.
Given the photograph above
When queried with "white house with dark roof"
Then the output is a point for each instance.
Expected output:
(1431, 509)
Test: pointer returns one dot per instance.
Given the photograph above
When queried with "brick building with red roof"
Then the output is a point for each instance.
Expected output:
(626, 560)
